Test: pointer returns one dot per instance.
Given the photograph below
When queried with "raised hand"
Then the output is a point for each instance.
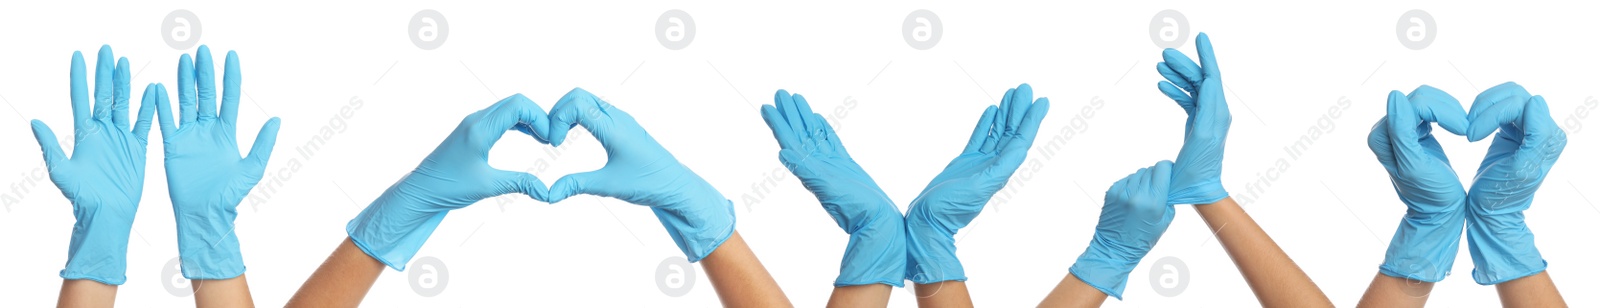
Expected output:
(104, 177)
(1527, 145)
(206, 178)
(1424, 247)
(1197, 173)
(998, 145)
(812, 151)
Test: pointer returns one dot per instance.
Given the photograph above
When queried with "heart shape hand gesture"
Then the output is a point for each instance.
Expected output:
(1526, 147)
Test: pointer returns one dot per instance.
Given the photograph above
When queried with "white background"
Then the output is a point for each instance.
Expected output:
(1284, 64)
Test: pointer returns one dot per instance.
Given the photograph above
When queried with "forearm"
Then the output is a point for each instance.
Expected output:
(342, 281)
(1072, 292)
(231, 292)
(871, 295)
(1390, 291)
(948, 293)
(1275, 279)
(1536, 290)
(739, 278)
(86, 293)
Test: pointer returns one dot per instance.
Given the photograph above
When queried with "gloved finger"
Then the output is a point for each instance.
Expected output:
(1119, 189)
(579, 107)
(833, 145)
(1435, 106)
(997, 131)
(981, 133)
(1181, 64)
(261, 151)
(119, 101)
(187, 109)
(1501, 115)
(205, 78)
(1211, 107)
(141, 127)
(1208, 58)
(588, 183)
(521, 182)
(814, 125)
(163, 107)
(1483, 119)
(1182, 98)
(53, 156)
(1378, 141)
(1023, 140)
(1541, 137)
(1174, 78)
(1020, 102)
(1161, 179)
(1403, 122)
(515, 112)
(80, 93)
(104, 79)
(780, 128)
(791, 114)
(230, 89)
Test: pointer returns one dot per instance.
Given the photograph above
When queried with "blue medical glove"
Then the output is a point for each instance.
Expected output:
(1197, 173)
(998, 145)
(638, 170)
(1135, 215)
(813, 152)
(205, 175)
(1527, 146)
(1424, 247)
(455, 175)
(104, 177)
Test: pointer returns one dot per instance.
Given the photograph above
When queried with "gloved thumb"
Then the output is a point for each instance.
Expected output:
(261, 150)
(47, 142)
(521, 182)
(590, 183)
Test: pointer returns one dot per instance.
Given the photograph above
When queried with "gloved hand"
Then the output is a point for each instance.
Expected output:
(638, 170)
(104, 177)
(1135, 215)
(813, 152)
(205, 176)
(1197, 174)
(997, 147)
(455, 175)
(1527, 146)
(1424, 247)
